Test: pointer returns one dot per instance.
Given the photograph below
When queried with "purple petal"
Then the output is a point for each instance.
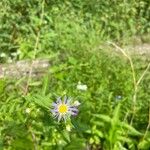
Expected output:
(74, 113)
(73, 109)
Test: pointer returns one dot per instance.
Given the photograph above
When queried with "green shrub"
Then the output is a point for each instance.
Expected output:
(68, 25)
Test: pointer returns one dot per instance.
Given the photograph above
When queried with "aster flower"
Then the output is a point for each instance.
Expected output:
(63, 109)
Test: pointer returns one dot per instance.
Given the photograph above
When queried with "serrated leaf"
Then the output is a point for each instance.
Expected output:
(41, 100)
(116, 115)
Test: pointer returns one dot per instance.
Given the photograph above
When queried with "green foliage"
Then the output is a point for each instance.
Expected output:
(104, 114)
(114, 132)
(67, 25)
(70, 34)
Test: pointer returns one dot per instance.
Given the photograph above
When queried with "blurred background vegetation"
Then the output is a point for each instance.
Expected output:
(68, 26)
(71, 34)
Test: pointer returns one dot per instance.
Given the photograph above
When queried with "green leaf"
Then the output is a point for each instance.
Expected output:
(41, 100)
(105, 118)
(116, 114)
(66, 135)
(132, 130)
(45, 84)
(80, 126)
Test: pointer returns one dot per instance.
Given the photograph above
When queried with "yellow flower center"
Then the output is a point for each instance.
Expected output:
(62, 108)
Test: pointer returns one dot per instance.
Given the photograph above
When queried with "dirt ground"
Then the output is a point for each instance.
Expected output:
(141, 49)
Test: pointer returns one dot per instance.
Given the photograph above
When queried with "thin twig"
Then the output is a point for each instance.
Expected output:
(35, 49)
(142, 76)
(133, 76)
(130, 60)
(136, 83)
